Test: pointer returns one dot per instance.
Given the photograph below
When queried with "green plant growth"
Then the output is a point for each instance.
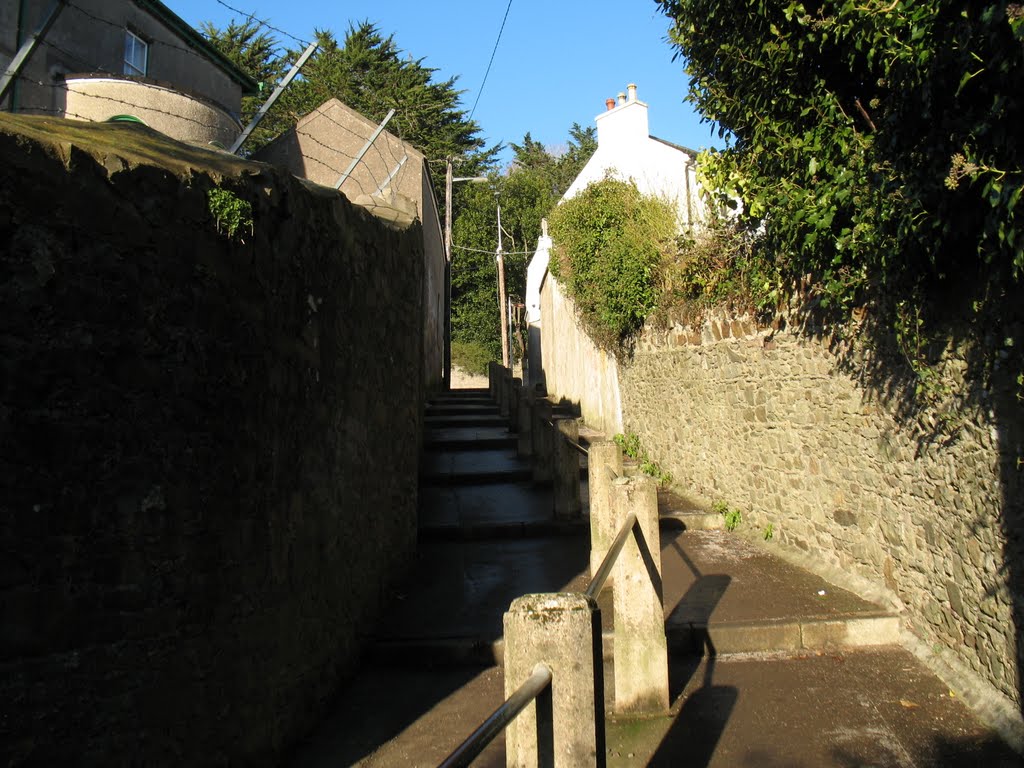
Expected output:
(733, 517)
(232, 214)
(769, 532)
(610, 243)
(472, 357)
(630, 446)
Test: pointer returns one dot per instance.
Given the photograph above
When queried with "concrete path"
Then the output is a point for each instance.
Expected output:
(769, 666)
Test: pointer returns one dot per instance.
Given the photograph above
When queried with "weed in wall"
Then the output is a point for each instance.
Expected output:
(232, 214)
(733, 517)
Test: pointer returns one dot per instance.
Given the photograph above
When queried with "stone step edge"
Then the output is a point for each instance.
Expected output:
(525, 529)
(476, 478)
(785, 637)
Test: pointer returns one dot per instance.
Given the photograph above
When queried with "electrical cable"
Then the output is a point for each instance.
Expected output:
(489, 63)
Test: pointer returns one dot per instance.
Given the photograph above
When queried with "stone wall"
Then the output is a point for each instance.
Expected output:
(790, 428)
(208, 447)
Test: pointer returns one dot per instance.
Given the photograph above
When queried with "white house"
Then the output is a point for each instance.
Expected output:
(627, 151)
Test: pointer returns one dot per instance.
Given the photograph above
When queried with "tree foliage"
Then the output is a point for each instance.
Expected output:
(368, 72)
(876, 142)
(535, 181)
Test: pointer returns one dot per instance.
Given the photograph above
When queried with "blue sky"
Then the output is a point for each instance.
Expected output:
(556, 63)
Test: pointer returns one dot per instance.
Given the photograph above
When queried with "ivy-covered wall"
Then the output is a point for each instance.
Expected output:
(209, 430)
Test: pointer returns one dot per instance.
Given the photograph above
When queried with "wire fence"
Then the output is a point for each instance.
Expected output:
(327, 143)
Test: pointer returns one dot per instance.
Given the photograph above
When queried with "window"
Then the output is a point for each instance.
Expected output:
(136, 54)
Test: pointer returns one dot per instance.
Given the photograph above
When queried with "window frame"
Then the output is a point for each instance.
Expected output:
(133, 42)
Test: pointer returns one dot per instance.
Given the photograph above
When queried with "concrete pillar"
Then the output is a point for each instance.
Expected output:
(504, 387)
(566, 728)
(524, 447)
(513, 404)
(566, 469)
(641, 655)
(604, 455)
(541, 437)
(492, 379)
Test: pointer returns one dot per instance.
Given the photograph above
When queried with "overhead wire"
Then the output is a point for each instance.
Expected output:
(489, 63)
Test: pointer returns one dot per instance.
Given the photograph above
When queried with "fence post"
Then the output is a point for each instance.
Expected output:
(566, 728)
(524, 446)
(641, 656)
(566, 469)
(513, 404)
(604, 455)
(492, 379)
(542, 440)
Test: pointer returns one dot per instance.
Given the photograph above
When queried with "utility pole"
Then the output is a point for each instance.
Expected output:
(446, 376)
(502, 302)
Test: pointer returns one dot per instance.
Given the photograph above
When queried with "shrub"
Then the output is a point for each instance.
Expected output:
(610, 242)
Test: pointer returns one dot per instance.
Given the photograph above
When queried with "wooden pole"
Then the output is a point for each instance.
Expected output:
(502, 310)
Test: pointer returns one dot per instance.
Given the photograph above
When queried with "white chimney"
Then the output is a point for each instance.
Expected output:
(624, 124)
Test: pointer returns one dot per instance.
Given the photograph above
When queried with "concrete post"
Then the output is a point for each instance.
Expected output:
(566, 469)
(513, 404)
(604, 455)
(504, 387)
(566, 728)
(541, 436)
(492, 379)
(524, 447)
(641, 655)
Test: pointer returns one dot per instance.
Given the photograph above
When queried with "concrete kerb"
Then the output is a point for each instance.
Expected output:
(565, 726)
(641, 652)
(567, 500)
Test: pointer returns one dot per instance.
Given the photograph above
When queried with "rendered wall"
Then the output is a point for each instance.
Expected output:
(572, 367)
(208, 447)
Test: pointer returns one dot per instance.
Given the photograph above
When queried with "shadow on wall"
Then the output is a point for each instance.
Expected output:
(986, 344)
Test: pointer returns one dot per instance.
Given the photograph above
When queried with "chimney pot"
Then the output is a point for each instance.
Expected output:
(622, 98)
(609, 104)
(632, 91)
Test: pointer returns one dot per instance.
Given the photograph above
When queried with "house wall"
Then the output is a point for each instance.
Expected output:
(89, 36)
(816, 437)
(209, 447)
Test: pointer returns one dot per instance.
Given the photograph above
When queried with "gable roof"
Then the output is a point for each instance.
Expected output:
(199, 43)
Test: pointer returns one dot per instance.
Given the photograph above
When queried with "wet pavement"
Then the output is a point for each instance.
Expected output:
(762, 672)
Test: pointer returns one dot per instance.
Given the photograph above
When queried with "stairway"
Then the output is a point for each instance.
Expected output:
(769, 664)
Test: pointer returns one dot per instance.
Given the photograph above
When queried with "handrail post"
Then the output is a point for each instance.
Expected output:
(562, 631)
(542, 440)
(605, 458)
(524, 446)
(641, 654)
(492, 379)
(566, 469)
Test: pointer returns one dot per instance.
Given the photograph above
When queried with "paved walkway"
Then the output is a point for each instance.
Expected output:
(769, 666)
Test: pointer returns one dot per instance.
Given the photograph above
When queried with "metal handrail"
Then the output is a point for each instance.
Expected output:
(597, 583)
(573, 443)
(468, 750)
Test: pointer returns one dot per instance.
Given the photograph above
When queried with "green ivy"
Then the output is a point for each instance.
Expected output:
(610, 243)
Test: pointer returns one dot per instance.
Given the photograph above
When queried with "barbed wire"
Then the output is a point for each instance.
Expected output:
(492, 252)
(265, 23)
(391, 158)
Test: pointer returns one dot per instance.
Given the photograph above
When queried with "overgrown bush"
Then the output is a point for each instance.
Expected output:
(472, 357)
(610, 243)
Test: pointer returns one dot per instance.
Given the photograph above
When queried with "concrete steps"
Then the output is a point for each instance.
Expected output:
(769, 664)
